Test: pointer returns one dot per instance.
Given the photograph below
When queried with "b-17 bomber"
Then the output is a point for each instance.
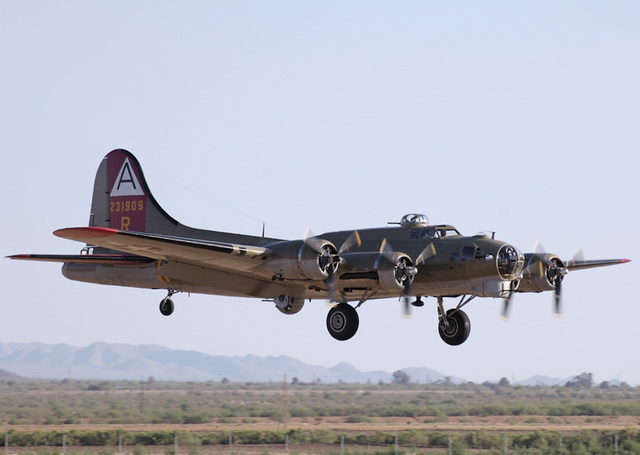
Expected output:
(131, 241)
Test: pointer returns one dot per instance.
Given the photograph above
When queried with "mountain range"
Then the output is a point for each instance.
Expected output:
(133, 362)
(124, 361)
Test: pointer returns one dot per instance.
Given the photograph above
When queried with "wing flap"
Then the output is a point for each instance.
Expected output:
(194, 251)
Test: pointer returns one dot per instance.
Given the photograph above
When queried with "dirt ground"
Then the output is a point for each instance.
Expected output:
(387, 424)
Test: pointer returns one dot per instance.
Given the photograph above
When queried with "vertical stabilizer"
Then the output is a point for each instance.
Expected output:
(122, 200)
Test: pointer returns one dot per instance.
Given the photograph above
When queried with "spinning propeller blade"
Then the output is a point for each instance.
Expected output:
(353, 239)
(406, 271)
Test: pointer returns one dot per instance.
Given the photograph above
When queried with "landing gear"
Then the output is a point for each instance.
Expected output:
(342, 321)
(166, 305)
(453, 325)
(454, 329)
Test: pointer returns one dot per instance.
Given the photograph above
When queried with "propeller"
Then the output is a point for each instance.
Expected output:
(353, 239)
(329, 258)
(405, 271)
(537, 249)
(507, 302)
(555, 272)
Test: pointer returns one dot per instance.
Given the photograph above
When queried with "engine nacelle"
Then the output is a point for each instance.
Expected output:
(298, 260)
(288, 305)
(393, 276)
(371, 266)
(541, 273)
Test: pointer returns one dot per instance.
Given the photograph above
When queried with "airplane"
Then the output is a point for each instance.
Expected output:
(131, 241)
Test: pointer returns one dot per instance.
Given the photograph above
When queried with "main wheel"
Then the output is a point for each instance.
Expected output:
(342, 321)
(457, 329)
(167, 306)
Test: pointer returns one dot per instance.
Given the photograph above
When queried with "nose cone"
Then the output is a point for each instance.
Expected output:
(509, 262)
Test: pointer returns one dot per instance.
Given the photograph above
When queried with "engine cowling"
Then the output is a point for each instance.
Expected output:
(542, 273)
(300, 260)
(392, 276)
(377, 270)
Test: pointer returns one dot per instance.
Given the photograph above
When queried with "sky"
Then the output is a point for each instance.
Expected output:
(514, 117)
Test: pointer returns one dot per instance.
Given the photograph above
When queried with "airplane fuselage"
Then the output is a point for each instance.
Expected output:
(460, 265)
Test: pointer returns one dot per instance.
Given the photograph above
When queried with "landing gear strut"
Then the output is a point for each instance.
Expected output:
(166, 305)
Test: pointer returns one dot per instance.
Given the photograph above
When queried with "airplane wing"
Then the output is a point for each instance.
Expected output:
(581, 265)
(194, 251)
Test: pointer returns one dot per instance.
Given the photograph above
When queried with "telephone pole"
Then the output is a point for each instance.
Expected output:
(285, 404)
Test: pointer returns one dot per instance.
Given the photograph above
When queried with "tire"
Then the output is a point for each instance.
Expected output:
(167, 306)
(458, 328)
(342, 321)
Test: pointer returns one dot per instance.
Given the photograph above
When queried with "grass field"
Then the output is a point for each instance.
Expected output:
(150, 417)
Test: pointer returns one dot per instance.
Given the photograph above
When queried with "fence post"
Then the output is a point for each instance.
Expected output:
(64, 443)
(559, 443)
(505, 445)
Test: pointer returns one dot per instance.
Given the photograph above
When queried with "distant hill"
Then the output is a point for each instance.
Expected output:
(7, 375)
(123, 361)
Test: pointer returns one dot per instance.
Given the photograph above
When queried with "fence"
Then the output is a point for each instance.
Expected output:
(296, 442)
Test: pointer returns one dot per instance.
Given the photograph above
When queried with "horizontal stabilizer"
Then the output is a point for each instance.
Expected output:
(103, 259)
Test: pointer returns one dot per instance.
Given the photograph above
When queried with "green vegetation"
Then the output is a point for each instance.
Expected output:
(153, 402)
(73, 405)
(538, 442)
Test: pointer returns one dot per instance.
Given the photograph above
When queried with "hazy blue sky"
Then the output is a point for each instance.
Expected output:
(516, 117)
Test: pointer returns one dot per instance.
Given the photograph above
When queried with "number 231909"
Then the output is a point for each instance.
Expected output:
(127, 206)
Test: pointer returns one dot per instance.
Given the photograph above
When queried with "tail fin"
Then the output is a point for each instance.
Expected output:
(122, 200)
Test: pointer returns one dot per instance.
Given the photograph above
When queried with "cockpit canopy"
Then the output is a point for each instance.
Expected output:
(414, 220)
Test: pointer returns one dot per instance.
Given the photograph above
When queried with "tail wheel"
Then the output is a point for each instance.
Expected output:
(456, 329)
(167, 306)
(343, 321)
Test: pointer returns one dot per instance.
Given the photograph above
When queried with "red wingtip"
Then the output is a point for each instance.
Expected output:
(85, 233)
(19, 256)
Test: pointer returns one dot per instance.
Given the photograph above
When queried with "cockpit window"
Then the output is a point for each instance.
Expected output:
(447, 232)
(429, 233)
(433, 232)
(468, 252)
